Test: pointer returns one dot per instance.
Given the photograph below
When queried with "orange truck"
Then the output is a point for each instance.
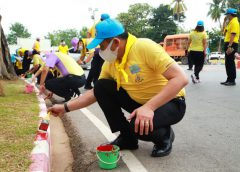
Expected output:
(176, 46)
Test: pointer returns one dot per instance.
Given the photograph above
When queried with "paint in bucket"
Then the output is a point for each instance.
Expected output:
(29, 75)
(108, 156)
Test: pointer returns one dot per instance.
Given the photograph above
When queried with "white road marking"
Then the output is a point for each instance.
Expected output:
(133, 164)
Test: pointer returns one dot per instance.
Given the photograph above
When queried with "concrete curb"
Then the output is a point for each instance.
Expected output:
(40, 155)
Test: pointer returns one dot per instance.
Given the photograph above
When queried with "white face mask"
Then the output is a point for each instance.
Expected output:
(80, 47)
(109, 55)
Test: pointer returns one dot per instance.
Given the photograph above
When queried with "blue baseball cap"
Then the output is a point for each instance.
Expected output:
(105, 16)
(108, 28)
(200, 23)
(231, 11)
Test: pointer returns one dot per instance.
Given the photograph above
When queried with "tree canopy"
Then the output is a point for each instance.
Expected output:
(136, 19)
(144, 21)
(161, 23)
(17, 30)
(66, 35)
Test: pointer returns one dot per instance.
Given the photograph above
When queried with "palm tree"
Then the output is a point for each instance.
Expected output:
(179, 8)
(215, 11)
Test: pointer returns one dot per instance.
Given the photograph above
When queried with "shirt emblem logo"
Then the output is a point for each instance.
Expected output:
(134, 69)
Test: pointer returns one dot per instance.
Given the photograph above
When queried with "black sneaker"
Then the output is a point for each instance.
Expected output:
(88, 87)
(223, 83)
(230, 83)
(165, 148)
(125, 143)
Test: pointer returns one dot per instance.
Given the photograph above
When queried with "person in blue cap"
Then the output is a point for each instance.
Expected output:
(140, 77)
(96, 63)
(231, 39)
(197, 49)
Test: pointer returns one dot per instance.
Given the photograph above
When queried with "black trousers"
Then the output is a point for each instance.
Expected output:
(190, 63)
(230, 62)
(66, 86)
(111, 101)
(197, 58)
(96, 66)
(26, 62)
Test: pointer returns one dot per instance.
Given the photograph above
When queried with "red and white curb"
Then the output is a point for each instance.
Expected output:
(40, 155)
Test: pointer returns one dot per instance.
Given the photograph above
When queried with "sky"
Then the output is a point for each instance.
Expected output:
(43, 16)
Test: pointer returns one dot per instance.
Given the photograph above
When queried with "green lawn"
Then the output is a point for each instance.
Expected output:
(18, 125)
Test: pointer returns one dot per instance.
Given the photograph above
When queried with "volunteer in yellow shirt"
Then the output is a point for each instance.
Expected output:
(24, 65)
(231, 33)
(38, 65)
(63, 48)
(140, 77)
(96, 61)
(36, 46)
(197, 49)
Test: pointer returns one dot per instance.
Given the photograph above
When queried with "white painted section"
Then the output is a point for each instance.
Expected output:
(41, 147)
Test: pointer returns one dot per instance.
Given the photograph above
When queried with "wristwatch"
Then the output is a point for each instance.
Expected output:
(66, 107)
(84, 62)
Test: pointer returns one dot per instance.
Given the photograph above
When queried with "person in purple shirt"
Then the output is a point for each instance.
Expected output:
(72, 79)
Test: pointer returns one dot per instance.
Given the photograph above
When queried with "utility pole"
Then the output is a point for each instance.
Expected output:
(93, 10)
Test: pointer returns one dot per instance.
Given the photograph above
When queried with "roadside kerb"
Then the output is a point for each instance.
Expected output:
(40, 155)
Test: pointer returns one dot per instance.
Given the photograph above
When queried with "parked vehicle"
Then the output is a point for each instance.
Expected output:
(216, 56)
(176, 46)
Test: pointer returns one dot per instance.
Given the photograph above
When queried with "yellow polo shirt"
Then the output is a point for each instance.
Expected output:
(84, 51)
(232, 27)
(145, 64)
(197, 40)
(36, 46)
(37, 60)
(63, 49)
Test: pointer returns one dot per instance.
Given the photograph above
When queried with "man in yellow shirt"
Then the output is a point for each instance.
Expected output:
(97, 61)
(63, 48)
(231, 32)
(140, 77)
(36, 45)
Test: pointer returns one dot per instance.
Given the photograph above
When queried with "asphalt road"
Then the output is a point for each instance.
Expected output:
(207, 139)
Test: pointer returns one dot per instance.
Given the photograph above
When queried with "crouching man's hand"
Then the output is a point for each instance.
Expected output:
(57, 110)
(144, 120)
